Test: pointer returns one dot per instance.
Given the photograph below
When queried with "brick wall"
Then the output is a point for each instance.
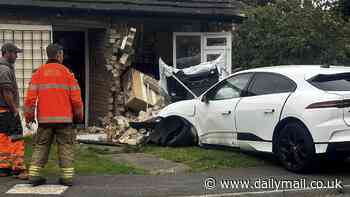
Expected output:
(100, 79)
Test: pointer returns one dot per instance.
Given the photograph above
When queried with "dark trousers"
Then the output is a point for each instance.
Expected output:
(65, 138)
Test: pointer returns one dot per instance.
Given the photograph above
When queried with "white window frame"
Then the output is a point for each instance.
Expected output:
(175, 34)
(205, 50)
(22, 27)
(27, 27)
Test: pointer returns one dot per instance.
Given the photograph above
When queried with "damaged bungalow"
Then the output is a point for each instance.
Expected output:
(113, 46)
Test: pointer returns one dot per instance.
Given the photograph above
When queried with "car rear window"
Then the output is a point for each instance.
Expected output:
(332, 82)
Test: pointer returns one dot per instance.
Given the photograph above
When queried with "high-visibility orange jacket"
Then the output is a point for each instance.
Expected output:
(57, 94)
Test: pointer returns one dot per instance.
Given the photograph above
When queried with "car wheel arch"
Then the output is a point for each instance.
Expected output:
(280, 126)
(194, 129)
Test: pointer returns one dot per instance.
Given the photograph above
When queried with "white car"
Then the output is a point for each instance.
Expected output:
(295, 112)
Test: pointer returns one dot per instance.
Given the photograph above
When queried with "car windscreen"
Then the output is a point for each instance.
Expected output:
(331, 82)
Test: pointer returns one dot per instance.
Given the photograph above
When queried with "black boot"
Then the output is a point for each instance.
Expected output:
(36, 180)
(66, 182)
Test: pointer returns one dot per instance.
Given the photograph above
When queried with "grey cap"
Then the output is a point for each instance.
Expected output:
(10, 47)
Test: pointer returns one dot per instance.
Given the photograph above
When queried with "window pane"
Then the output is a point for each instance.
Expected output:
(211, 57)
(240, 81)
(216, 42)
(230, 88)
(284, 85)
(188, 51)
(335, 82)
(270, 84)
(226, 92)
(8, 35)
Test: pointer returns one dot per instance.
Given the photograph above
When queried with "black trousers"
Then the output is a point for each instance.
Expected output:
(10, 124)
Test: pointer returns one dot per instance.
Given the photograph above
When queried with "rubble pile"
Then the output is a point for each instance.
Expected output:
(134, 96)
(94, 130)
(118, 129)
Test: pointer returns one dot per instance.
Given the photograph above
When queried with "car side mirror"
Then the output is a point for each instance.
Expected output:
(205, 99)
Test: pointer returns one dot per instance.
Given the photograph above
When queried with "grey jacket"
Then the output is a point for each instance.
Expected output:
(8, 81)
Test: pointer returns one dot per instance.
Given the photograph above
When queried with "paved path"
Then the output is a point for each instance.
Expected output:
(193, 184)
(152, 164)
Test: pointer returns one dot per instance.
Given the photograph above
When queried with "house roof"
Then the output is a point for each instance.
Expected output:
(223, 8)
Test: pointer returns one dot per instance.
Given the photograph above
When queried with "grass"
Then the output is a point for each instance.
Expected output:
(197, 158)
(87, 162)
(92, 160)
(201, 159)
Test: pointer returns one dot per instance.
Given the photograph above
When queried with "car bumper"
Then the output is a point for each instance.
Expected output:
(341, 147)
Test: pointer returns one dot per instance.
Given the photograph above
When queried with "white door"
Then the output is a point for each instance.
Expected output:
(259, 112)
(216, 110)
(216, 44)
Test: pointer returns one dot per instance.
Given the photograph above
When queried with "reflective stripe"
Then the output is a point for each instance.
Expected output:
(5, 165)
(67, 176)
(34, 170)
(34, 167)
(62, 119)
(49, 86)
(33, 87)
(67, 168)
(9, 156)
(75, 88)
(33, 173)
(66, 171)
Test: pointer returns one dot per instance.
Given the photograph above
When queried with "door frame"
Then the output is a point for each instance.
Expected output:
(87, 66)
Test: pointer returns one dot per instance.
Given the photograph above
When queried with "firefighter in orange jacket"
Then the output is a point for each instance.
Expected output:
(55, 94)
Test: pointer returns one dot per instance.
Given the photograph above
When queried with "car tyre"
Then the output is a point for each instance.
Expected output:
(295, 148)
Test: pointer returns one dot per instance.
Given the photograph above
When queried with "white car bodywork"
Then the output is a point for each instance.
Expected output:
(250, 122)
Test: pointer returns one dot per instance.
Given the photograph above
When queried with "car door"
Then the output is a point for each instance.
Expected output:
(258, 113)
(215, 111)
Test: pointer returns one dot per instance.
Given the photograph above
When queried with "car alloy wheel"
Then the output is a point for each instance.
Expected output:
(295, 147)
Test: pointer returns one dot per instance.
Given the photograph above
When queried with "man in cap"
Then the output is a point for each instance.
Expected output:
(11, 144)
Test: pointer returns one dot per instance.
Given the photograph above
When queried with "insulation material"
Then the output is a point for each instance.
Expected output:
(140, 90)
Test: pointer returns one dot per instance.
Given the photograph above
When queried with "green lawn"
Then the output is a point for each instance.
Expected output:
(201, 159)
(87, 162)
(91, 160)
